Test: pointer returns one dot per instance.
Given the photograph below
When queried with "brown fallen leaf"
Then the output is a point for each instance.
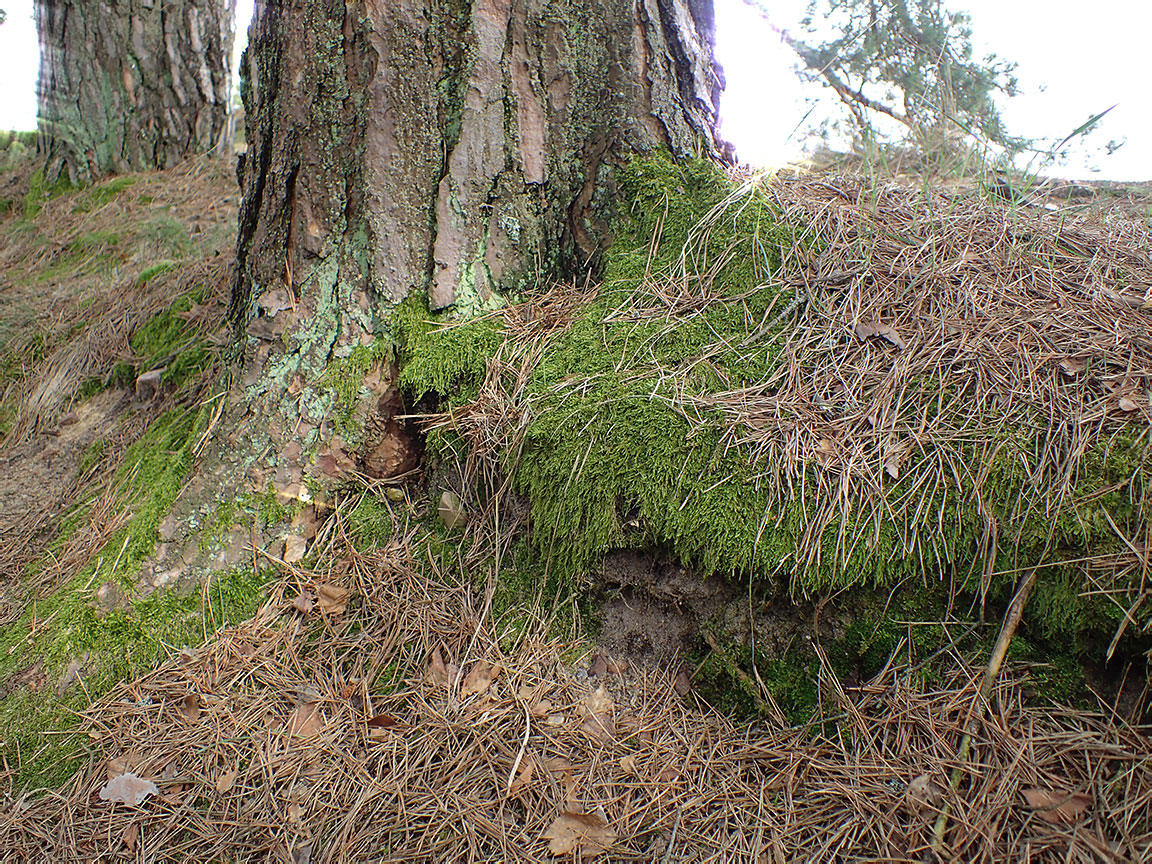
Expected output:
(617, 667)
(825, 451)
(131, 835)
(1073, 366)
(190, 708)
(384, 721)
(303, 603)
(541, 708)
(437, 673)
(587, 832)
(128, 789)
(1057, 807)
(477, 681)
(225, 781)
(628, 765)
(306, 720)
(333, 599)
(922, 795)
(599, 666)
(867, 329)
(523, 776)
(1128, 404)
(597, 708)
(295, 548)
(681, 684)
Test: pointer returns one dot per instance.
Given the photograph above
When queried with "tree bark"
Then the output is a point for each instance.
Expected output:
(462, 148)
(132, 84)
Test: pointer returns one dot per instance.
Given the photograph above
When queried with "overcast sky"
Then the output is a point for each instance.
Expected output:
(1071, 67)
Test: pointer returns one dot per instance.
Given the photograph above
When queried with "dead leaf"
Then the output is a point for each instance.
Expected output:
(599, 666)
(1057, 807)
(306, 720)
(597, 708)
(303, 603)
(668, 774)
(452, 512)
(1072, 366)
(117, 765)
(295, 813)
(922, 795)
(333, 599)
(384, 721)
(294, 548)
(190, 708)
(477, 680)
(1128, 404)
(628, 765)
(867, 329)
(617, 667)
(437, 673)
(825, 451)
(587, 832)
(131, 835)
(224, 781)
(541, 708)
(682, 685)
(302, 854)
(523, 776)
(128, 789)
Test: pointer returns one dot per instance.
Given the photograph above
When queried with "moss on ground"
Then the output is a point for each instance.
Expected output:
(167, 340)
(67, 624)
(608, 460)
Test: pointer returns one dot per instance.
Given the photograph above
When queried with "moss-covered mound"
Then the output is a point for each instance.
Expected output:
(815, 386)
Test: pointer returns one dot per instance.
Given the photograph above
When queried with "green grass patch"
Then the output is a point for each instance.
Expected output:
(170, 341)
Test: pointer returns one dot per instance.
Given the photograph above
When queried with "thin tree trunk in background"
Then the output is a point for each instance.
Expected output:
(132, 84)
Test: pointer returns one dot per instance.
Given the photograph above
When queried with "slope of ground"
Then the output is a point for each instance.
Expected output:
(281, 659)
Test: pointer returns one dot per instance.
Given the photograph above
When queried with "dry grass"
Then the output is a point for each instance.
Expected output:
(374, 734)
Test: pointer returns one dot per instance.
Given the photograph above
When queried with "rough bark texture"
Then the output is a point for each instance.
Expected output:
(457, 147)
(132, 84)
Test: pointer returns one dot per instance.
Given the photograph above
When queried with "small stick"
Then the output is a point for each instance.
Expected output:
(988, 680)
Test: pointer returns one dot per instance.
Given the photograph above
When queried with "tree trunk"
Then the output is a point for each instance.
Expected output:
(461, 148)
(132, 84)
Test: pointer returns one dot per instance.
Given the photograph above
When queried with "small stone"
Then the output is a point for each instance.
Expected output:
(452, 511)
(148, 384)
(167, 528)
(395, 494)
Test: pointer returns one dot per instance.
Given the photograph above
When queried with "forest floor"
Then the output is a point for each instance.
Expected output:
(266, 678)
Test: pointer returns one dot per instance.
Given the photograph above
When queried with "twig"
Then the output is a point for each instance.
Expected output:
(991, 672)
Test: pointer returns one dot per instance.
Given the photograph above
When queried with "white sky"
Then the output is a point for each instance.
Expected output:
(1073, 64)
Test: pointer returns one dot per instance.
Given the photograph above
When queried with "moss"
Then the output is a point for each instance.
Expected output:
(440, 355)
(120, 644)
(100, 194)
(168, 340)
(608, 460)
(153, 270)
(40, 191)
(370, 523)
(344, 379)
(123, 642)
